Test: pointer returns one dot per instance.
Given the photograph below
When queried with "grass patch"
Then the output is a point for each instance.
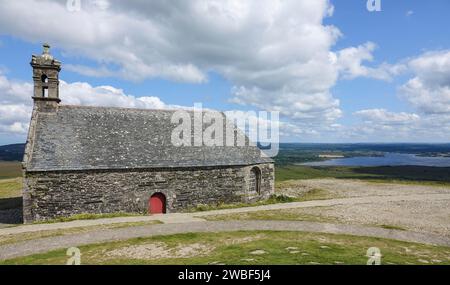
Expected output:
(273, 215)
(16, 238)
(285, 173)
(274, 199)
(88, 217)
(10, 169)
(235, 248)
(315, 194)
(10, 193)
(393, 227)
(296, 214)
(435, 176)
(10, 188)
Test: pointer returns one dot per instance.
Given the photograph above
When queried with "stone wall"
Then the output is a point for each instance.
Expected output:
(49, 195)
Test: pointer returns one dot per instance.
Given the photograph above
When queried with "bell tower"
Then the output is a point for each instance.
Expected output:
(46, 79)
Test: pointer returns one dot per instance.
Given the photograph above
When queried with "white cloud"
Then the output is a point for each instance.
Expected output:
(16, 103)
(275, 53)
(400, 127)
(384, 117)
(429, 90)
(350, 62)
(15, 108)
(81, 93)
(14, 91)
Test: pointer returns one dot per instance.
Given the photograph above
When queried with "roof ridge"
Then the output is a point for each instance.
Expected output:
(113, 107)
(135, 109)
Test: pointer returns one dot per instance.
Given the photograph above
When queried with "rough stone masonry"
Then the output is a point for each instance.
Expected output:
(106, 160)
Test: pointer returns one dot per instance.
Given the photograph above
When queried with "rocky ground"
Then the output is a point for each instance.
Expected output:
(424, 216)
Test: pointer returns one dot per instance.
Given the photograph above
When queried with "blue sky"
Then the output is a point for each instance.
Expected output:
(194, 57)
(398, 35)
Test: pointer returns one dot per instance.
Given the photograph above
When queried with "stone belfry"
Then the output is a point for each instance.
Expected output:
(46, 79)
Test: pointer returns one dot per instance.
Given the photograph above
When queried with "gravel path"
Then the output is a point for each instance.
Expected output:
(332, 202)
(428, 215)
(62, 242)
(357, 188)
(424, 211)
(193, 217)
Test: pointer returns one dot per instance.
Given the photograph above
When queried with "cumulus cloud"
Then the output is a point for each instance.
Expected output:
(384, 126)
(81, 93)
(350, 62)
(429, 89)
(15, 106)
(428, 93)
(276, 54)
(16, 103)
(382, 116)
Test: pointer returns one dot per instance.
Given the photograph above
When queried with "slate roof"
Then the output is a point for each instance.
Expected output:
(88, 138)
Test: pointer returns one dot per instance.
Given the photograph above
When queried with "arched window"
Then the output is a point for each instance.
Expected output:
(255, 180)
(44, 78)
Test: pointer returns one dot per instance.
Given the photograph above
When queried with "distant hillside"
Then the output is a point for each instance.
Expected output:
(12, 152)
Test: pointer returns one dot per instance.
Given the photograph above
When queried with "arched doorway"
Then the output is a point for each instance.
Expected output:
(157, 204)
(255, 180)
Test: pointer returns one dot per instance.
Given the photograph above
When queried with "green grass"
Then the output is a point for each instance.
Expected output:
(271, 215)
(393, 227)
(89, 217)
(10, 188)
(305, 172)
(16, 238)
(10, 169)
(235, 249)
(437, 176)
(10, 193)
(10, 185)
(223, 206)
(296, 214)
(315, 194)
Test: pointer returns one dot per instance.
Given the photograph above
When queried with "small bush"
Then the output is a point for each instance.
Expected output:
(280, 199)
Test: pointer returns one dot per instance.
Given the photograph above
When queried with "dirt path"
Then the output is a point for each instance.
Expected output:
(62, 242)
(193, 217)
(426, 215)
(330, 203)
(358, 188)
(423, 210)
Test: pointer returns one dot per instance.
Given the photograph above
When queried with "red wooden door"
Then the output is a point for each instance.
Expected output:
(157, 204)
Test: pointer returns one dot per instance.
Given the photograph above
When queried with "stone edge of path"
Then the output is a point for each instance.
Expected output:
(44, 245)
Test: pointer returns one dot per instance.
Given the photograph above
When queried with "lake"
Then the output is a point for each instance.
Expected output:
(389, 159)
